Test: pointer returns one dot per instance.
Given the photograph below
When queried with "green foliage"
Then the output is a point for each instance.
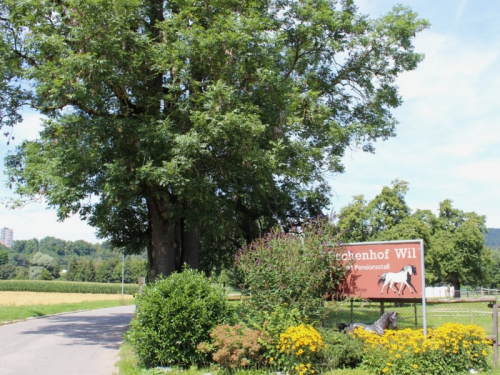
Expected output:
(20, 260)
(105, 271)
(22, 273)
(90, 270)
(65, 287)
(35, 272)
(26, 247)
(76, 270)
(279, 320)
(44, 275)
(295, 269)
(340, 350)
(366, 221)
(4, 257)
(272, 325)
(208, 121)
(44, 267)
(7, 271)
(456, 254)
(174, 315)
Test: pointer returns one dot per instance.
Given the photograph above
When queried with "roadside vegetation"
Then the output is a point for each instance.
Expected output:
(284, 326)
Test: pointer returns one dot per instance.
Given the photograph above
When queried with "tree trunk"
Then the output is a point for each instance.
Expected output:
(191, 246)
(456, 285)
(162, 249)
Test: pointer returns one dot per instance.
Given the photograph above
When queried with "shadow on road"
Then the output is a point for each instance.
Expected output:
(106, 331)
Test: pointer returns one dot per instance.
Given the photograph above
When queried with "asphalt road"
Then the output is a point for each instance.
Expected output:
(83, 343)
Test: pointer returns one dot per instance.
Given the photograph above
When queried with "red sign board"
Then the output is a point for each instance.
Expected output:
(384, 270)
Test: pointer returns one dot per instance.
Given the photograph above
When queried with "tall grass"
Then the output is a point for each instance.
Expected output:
(65, 287)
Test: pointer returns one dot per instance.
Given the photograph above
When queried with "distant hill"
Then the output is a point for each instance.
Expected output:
(492, 238)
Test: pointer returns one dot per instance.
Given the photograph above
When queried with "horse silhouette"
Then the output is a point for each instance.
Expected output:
(402, 277)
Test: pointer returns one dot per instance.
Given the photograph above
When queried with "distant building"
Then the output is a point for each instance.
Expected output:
(7, 237)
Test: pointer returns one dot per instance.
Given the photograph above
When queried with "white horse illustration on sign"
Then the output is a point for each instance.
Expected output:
(402, 277)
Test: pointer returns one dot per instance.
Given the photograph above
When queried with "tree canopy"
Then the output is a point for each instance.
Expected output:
(454, 246)
(188, 126)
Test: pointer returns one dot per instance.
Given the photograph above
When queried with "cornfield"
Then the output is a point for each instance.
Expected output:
(65, 287)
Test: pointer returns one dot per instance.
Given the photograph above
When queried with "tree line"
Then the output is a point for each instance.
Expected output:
(454, 240)
(53, 258)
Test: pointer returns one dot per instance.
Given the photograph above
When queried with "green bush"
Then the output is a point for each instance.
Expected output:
(297, 268)
(341, 350)
(273, 324)
(174, 315)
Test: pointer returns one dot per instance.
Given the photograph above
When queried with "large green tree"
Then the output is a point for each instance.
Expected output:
(174, 125)
(458, 254)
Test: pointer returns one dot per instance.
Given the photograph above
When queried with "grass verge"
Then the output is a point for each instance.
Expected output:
(12, 313)
(127, 360)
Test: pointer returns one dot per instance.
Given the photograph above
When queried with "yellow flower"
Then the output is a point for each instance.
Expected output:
(271, 359)
(385, 369)
(415, 366)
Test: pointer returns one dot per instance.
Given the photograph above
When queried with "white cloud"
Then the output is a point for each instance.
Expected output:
(448, 138)
(485, 171)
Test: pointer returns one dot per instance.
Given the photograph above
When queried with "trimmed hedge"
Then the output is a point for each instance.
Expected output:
(65, 287)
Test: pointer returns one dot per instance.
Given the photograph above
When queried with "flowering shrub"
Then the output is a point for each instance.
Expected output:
(234, 346)
(298, 349)
(295, 268)
(450, 349)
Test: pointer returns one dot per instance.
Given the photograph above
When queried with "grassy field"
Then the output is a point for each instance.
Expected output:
(465, 313)
(23, 305)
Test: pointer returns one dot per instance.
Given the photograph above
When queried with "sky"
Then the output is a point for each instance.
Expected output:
(448, 139)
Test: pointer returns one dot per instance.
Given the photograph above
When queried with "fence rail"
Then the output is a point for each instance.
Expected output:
(480, 292)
